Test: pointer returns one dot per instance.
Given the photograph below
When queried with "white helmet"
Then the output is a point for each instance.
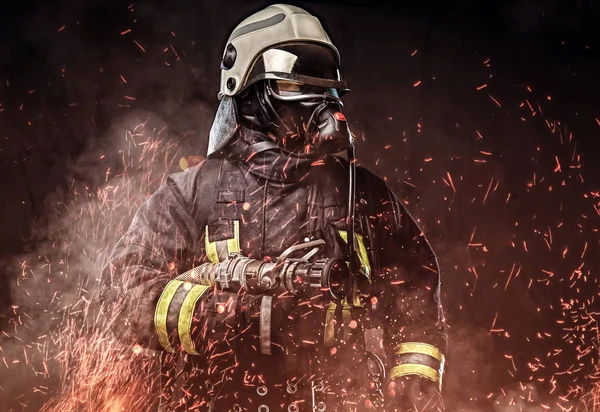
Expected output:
(274, 43)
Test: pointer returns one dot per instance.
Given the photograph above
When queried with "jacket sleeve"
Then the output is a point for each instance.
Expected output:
(409, 310)
(143, 263)
(145, 303)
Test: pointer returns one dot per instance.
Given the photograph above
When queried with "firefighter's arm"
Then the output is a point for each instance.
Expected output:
(410, 313)
(144, 302)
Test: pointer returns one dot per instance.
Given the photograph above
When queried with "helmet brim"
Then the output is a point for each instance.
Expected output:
(308, 63)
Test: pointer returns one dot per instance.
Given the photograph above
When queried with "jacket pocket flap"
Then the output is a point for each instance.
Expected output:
(230, 196)
(220, 229)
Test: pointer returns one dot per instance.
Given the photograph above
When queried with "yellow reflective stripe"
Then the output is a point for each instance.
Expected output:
(186, 314)
(414, 369)
(346, 319)
(329, 334)
(211, 248)
(422, 348)
(330, 326)
(363, 257)
(233, 245)
(344, 235)
(364, 263)
(160, 315)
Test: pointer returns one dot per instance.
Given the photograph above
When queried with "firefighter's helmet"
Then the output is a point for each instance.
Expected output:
(280, 42)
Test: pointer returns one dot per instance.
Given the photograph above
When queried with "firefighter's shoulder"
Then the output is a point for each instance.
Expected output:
(187, 182)
(367, 181)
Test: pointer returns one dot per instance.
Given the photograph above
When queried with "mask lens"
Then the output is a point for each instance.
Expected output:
(287, 88)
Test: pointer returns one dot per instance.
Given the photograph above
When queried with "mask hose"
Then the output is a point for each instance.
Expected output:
(350, 218)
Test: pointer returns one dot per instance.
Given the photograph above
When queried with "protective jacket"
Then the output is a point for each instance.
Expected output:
(217, 355)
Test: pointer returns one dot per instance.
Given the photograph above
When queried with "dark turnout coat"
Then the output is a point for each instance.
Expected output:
(260, 205)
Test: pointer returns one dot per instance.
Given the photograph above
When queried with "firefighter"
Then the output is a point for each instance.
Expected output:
(277, 275)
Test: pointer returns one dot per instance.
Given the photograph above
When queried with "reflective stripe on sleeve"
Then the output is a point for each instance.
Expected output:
(160, 315)
(422, 348)
(414, 369)
(186, 315)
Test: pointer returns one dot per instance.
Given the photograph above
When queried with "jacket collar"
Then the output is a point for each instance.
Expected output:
(260, 156)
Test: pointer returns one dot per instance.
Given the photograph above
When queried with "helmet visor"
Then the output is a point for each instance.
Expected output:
(287, 90)
(306, 63)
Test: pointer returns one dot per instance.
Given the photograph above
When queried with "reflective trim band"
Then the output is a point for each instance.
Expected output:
(257, 25)
(186, 314)
(365, 267)
(219, 251)
(422, 348)
(362, 255)
(329, 333)
(211, 248)
(160, 315)
(233, 245)
(346, 318)
(362, 252)
(414, 369)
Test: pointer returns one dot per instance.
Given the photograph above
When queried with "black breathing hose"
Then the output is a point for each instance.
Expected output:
(350, 218)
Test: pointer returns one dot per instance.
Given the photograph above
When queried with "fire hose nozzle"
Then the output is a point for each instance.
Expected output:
(299, 276)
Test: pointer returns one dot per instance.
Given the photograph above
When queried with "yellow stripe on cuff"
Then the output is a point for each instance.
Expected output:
(211, 248)
(160, 315)
(414, 369)
(186, 314)
(422, 348)
(233, 245)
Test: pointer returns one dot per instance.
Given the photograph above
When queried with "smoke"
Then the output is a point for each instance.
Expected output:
(97, 118)
(95, 130)
(58, 342)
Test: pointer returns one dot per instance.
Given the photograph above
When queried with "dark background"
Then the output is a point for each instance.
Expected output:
(504, 178)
